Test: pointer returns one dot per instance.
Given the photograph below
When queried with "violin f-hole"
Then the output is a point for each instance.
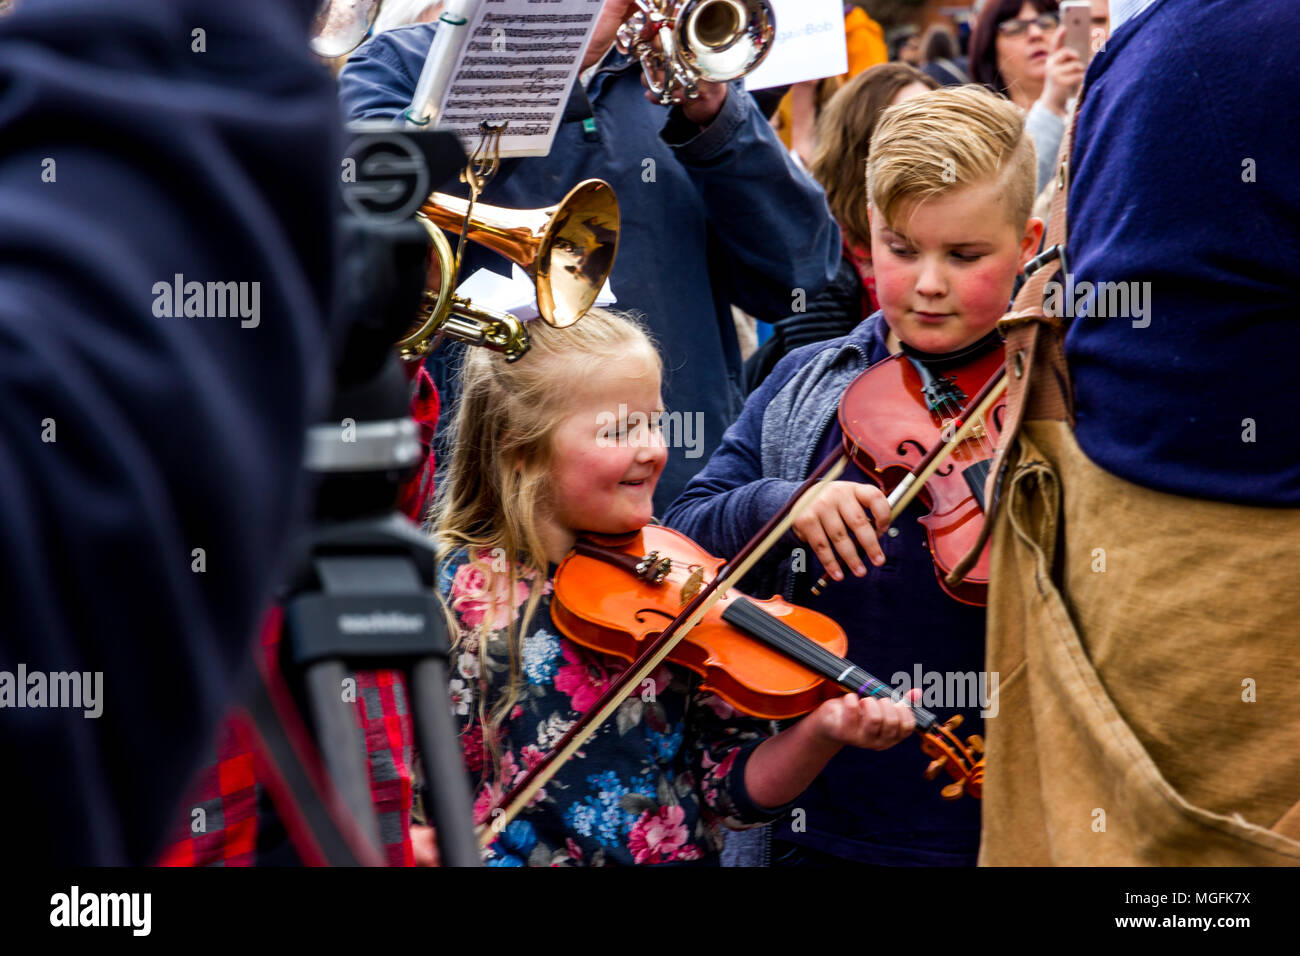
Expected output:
(911, 443)
(651, 610)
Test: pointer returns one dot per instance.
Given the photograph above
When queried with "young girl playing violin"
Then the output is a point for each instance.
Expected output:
(536, 463)
(951, 178)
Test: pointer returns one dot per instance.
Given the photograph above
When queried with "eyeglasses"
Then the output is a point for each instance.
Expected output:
(1014, 28)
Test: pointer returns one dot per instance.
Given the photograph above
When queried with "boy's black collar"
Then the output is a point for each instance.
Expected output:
(960, 357)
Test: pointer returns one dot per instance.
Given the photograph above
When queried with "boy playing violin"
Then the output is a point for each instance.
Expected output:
(950, 184)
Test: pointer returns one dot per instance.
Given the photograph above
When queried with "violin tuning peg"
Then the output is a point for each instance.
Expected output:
(975, 742)
(953, 722)
(932, 771)
(954, 790)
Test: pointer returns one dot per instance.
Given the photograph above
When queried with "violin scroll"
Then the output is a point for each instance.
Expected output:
(964, 762)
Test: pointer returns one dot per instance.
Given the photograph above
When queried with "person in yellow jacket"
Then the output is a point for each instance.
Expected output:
(797, 114)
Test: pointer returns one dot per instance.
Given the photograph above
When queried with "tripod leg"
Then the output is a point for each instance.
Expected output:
(341, 743)
(450, 808)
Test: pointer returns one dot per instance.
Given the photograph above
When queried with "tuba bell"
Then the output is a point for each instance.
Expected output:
(711, 41)
(567, 250)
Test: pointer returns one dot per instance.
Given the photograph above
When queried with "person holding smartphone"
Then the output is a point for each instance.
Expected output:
(1018, 50)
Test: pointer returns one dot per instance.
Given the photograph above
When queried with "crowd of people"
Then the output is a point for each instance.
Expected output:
(1140, 506)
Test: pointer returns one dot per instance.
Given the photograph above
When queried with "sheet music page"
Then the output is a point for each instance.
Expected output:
(519, 64)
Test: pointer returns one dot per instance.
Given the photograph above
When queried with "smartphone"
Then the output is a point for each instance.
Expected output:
(1076, 19)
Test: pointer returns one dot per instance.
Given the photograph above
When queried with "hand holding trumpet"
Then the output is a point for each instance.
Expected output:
(689, 51)
(702, 109)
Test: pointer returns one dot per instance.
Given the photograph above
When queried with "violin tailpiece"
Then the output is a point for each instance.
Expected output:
(653, 568)
(650, 568)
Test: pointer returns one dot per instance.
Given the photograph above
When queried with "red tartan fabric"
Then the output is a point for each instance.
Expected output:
(417, 493)
(217, 825)
(220, 822)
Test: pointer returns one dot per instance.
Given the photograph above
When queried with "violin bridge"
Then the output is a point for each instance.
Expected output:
(949, 426)
(692, 585)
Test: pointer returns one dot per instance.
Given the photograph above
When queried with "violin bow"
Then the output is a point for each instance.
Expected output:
(654, 655)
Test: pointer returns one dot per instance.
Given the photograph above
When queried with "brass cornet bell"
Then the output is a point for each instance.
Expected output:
(567, 250)
(712, 41)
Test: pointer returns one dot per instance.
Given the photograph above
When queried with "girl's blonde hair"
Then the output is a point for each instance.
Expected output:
(495, 493)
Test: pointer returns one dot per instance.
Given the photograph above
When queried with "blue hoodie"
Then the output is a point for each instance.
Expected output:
(710, 219)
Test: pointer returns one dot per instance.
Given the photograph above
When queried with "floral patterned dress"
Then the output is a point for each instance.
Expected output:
(652, 784)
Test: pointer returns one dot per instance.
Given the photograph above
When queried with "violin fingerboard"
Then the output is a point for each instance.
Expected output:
(744, 614)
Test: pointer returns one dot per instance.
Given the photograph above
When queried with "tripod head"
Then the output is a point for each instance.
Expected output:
(366, 444)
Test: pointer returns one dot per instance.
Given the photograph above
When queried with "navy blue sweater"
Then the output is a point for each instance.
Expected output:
(1185, 178)
(710, 218)
(128, 439)
(867, 806)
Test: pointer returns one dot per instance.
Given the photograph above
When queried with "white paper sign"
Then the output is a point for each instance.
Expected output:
(810, 44)
(518, 65)
(516, 294)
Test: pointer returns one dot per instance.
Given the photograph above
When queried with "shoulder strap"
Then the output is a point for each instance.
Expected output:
(1038, 381)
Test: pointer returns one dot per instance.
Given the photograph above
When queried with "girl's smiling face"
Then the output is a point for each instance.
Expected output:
(945, 270)
(608, 454)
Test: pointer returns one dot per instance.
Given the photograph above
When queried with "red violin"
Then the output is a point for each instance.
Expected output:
(904, 406)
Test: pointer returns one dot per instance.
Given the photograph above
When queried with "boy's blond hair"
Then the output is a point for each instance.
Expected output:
(948, 138)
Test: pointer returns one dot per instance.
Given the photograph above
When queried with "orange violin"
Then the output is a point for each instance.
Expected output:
(766, 658)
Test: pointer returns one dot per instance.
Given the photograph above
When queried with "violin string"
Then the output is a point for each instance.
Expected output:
(753, 619)
(984, 441)
(802, 649)
(952, 409)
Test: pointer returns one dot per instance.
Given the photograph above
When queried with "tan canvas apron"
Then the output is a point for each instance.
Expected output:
(1147, 713)
(1147, 647)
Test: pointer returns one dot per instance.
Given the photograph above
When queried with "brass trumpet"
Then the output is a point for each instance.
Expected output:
(699, 41)
(567, 250)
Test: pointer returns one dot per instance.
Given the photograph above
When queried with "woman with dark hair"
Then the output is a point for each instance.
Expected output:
(1017, 50)
(839, 164)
